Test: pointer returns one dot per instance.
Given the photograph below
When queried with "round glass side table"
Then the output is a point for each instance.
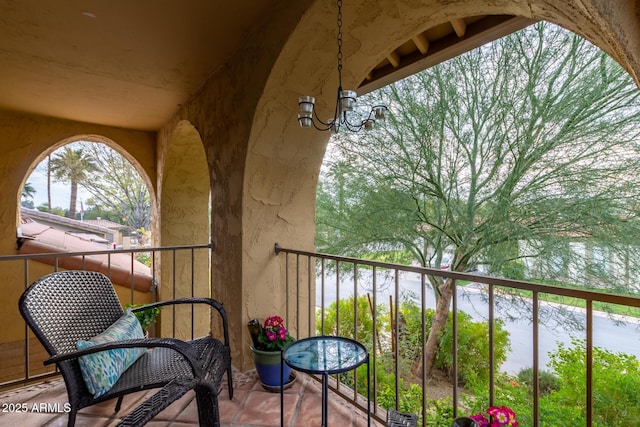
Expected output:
(325, 355)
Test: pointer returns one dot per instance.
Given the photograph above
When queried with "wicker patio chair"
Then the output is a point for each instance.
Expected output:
(65, 307)
(401, 419)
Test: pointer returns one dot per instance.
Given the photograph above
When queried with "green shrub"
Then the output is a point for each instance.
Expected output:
(410, 346)
(439, 412)
(145, 317)
(144, 258)
(616, 390)
(547, 381)
(473, 347)
(346, 315)
(616, 386)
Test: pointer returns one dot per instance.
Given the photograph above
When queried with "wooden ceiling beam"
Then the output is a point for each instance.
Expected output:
(459, 26)
(480, 32)
(422, 43)
(394, 59)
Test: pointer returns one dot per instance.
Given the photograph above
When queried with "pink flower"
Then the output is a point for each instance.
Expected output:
(502, 416)
(480, 419)
(282, 334)
(273, 322)
(271, 336)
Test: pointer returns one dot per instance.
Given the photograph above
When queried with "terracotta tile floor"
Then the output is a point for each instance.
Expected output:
(251, 406)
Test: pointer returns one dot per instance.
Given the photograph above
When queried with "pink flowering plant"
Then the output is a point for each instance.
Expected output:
(273, 335)
(498, 416)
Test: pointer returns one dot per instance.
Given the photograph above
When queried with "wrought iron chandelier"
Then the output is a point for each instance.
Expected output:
(346, 112)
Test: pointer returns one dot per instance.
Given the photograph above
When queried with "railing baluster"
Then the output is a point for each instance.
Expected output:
(26, 327)
(286, 293)
(322, 281)
(454, 325)
(423, 340)
(355, 301)
(132, 278)
(589, 365)
(355, 324)
(536, 360)
(173, 281)
(337, 298)
(492, 388)
(396, 327)
(375, 348)
(587, 296)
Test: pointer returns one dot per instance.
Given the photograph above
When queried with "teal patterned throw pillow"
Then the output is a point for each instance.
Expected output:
(101, 370)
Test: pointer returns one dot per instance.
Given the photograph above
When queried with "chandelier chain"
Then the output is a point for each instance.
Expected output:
(340, 42)
(345, 113)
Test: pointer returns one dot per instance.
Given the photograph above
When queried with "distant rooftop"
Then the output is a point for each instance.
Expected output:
(39, 238)
(45, 217)
(106, 224)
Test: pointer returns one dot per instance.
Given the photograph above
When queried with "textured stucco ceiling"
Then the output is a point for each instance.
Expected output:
(127, 63)
(132, 63)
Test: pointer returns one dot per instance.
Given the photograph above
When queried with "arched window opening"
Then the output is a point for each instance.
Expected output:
(89, 181)
(83, 197)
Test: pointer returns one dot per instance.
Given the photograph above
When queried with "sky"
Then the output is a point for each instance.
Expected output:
(60, 193)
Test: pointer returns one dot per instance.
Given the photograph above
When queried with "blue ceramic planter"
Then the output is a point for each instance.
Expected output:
(268, 367)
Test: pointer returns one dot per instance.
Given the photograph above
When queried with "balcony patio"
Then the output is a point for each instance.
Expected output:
(203, 113)
(251, 406)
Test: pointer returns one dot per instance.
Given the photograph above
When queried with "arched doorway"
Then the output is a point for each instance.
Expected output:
(93, 196)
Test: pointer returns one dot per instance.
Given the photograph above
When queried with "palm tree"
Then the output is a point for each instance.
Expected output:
(49, 183)
(28, 191)
(71, 166)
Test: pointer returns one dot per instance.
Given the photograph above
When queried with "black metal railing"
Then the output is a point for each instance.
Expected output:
(331, 277)
(313, 281)
(17, 366)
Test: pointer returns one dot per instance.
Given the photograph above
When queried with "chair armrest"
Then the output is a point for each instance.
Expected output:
(185, 349)
(209, 301)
